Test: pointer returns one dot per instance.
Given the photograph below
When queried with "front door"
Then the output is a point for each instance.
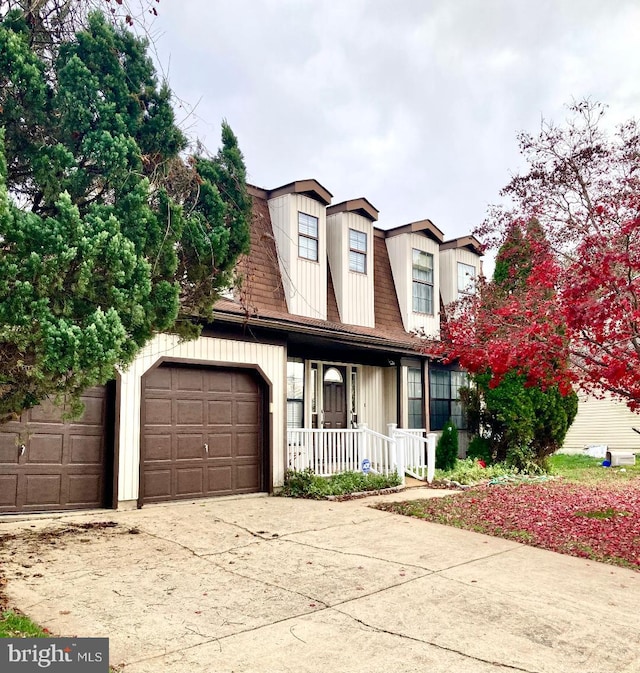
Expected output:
(335, 397)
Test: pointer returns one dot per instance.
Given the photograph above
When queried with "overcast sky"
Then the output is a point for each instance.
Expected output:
(413, 104)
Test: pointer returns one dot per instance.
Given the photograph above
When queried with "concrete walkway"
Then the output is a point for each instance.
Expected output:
(273, 585)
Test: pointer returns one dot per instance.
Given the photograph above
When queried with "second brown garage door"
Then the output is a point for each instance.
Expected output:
(202, 433)
(48, 463)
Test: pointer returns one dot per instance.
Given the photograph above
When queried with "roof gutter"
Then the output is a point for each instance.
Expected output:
(370, 342)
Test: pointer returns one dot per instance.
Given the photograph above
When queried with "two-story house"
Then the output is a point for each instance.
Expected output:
(319, 332)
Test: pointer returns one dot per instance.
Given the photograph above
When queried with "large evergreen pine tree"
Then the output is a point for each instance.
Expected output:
(108, 233)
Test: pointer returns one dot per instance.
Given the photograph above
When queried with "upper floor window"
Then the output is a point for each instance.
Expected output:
(422, 276)
(466, 280)
(308, 236)
(357, 251)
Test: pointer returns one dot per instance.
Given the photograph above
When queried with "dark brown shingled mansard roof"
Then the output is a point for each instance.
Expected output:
(260, 299)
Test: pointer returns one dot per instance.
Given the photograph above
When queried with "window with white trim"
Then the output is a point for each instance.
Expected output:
(422, 277)
(357, 251)
(466, 280)
(415, 397)
(308, 237)
(295, 393)
(444, 398)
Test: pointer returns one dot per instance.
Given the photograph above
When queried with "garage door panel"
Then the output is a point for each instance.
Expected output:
(220, 445)
(189, 447)
(188, 380)
(9, 448)
(246, 383)
(93, 412)
(45, 448)
(219, 381)
(247, 444)
(220, 479)
(248, 477)
(8, 490)
(158, 379)
(157, 411)
(43, 489)
(83, 489)
(157, 484)
(189, 481)
(220, 412)
(190, 412)
(86, 450)
(224, 409)
(157, 447)
(47, 412)
(247, 412)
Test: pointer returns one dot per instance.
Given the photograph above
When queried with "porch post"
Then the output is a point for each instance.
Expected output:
(431, 456)
(363, 447)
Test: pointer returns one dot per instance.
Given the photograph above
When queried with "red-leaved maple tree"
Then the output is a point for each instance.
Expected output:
(576, 317)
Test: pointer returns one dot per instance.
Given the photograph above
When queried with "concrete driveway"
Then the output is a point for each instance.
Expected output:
(272, 585)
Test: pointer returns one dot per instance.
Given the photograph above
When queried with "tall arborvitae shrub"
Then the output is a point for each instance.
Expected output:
(447, 447)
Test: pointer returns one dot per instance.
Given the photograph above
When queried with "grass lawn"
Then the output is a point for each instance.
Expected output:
(584, 469)
(15, 625)
(589, 511)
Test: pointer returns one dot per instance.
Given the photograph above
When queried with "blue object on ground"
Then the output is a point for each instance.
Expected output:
(606, 463)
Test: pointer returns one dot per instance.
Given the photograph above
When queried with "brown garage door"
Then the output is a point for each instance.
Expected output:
(50, 464)
(202, 433)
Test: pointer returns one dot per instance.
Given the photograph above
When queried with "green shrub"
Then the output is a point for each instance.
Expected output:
(480, 449)
(469, 471)
(512, 415)
(447, 447)
(307, 484)
(524, 459)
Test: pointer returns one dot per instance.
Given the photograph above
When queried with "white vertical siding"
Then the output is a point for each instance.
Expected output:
(354, 291)
(271, 359)
(448, 277)
(335, 255)
(375, 403)
(401, 257)
(390, 387)
(605, 421)
(280, 213)
(400, 260)
(304, 281)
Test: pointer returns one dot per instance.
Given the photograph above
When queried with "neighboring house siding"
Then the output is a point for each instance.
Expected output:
(304, 281)
(605, 421)
(400, 255)
(354, 291)
(271, 359)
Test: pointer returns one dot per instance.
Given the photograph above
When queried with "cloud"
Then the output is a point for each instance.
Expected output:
(414, 105)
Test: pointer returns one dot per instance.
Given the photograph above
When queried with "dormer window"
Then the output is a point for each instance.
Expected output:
(466, 280)
(422, 276)
(308, 237)
(357, 251)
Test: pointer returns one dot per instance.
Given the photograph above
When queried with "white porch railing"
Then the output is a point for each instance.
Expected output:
(330, 451)
(419, 450)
